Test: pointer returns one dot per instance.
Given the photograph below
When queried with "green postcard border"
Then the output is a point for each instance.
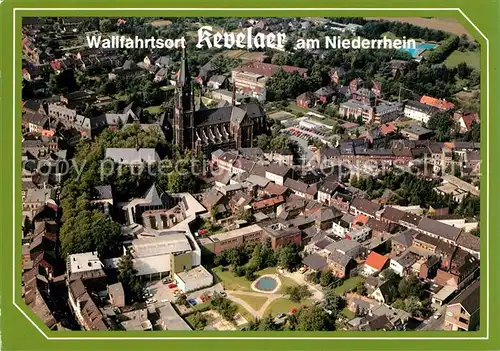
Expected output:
(20, 325)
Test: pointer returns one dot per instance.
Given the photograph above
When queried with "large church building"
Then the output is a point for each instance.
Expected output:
(207, 129)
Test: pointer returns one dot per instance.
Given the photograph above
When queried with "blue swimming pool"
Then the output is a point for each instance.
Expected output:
(420, 47)
(266, 284)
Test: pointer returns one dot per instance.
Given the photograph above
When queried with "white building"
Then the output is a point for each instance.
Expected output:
(418, 111)
(194, 279)
(359, 234)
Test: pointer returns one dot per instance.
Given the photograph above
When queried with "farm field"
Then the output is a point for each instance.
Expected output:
(450, 25)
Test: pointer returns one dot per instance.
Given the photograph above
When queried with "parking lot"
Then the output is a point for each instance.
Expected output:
(162, 293)
(305, 133)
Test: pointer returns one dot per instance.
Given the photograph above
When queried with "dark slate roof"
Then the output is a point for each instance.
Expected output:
(427, 239)
(469, 298)
(329, 187)
(392, 214)
(253, 110)
(405, 238)
(32, 105)
(364, 205)
(339, 258)
(411, 218)
(103, 192)
(469, 241)
(315, 262)
(296, 185)
(439, 229)
(278, 169)
(323, 243)
(155, 196)
(219, 115)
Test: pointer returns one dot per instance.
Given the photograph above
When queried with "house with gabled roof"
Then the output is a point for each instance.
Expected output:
(364, 206)
(375, 263)
(462, 313)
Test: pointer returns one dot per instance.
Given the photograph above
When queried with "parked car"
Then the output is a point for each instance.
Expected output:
(150, 301)
(437, 315)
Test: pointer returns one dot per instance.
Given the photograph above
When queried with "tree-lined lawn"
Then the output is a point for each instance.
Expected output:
(285, 305)
(471, 58)
(256, 302)
(348, 285)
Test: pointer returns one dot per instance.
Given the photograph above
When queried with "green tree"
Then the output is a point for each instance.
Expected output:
(127, 276)
(297, 293)
(443, 125)
(314, 319)
(333, 301)
(267, 324)
(410, 286)
(182, 300)
(288, 256)
(199, 321)
(389, 274)
(326, 278)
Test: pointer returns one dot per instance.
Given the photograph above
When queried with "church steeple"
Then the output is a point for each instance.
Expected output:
(184, 106)
(184, 78)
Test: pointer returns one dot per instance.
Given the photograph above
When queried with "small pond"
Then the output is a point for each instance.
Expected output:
(266, 284)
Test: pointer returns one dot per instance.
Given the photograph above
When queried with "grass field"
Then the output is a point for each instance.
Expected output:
(297, 109)
(153, 109)
(281, 115)
(255, 302)
(449, 25)
(348, 284)
(231, 282)
(471, 58)
(284, 305)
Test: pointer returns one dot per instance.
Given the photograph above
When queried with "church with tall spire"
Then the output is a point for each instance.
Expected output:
(203, 129)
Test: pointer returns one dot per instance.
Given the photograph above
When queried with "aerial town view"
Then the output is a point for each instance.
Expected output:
(254, 174)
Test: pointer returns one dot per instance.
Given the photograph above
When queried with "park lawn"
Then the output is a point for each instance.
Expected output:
(255, 302)
(285, 282)
(297, 109)
(348, 285)
(153, 109)
(281, 115)
(471, 58)
(285, 305)
(231, 282)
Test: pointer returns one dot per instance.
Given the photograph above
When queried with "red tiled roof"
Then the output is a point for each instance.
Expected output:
(440, 104)
(359, 219)
(273, 201)
(388, 128)
(376, 261)
(469, 119)
(276, 189)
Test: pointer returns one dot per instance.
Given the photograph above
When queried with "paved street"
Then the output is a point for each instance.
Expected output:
(434, 324)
